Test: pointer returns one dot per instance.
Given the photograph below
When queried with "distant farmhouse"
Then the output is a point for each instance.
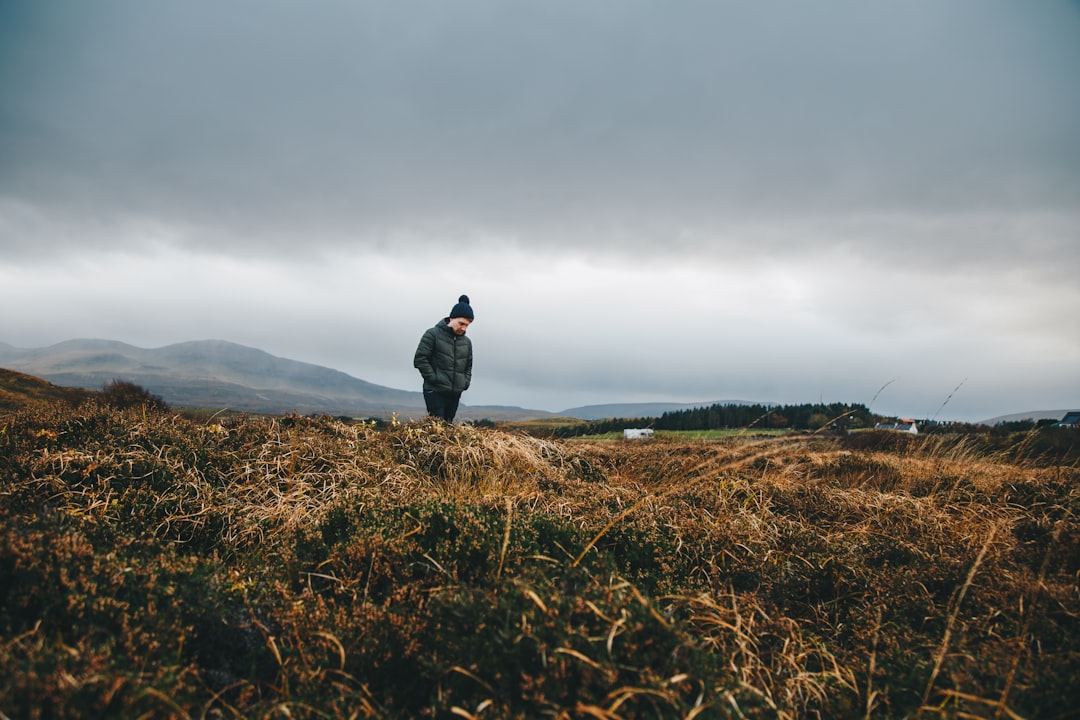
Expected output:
(907, 426)
(637, 434)
(1071, 419)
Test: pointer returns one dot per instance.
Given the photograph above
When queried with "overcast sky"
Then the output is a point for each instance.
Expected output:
(690, 200)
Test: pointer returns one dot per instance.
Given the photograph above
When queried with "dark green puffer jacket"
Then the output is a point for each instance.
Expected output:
(444, 359)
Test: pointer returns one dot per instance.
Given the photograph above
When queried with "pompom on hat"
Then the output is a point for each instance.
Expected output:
(462, 309)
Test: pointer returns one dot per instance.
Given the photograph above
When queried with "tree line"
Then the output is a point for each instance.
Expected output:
(808, 416)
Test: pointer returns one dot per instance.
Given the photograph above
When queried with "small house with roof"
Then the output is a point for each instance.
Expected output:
(907, 426)
(1071, 419)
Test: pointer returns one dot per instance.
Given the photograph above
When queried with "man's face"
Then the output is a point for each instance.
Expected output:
(459, 325)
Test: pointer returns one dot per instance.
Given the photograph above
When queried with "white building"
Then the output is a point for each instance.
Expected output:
(907, 426)
(1071, 419)
(637, 434)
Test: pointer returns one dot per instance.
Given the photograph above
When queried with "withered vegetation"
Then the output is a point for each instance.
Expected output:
(154, 566)
(19, 390)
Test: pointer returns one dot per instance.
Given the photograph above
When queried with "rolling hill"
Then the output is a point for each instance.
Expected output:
(19, 390)
(639, 410)
(220, 374)
(1033, 415)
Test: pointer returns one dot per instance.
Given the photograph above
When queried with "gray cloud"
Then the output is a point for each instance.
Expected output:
(860, 181)
(498, 116)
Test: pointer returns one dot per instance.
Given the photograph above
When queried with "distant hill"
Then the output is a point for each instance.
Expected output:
(222, 375)
(19, 390)
(639, 410)
(1034, 415)
(219, 374)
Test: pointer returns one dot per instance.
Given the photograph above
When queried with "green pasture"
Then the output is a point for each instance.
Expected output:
(689, 434)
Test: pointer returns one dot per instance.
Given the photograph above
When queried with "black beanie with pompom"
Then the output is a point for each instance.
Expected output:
(462, 309)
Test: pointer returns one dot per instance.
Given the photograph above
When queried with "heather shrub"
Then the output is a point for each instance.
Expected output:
(123, 394)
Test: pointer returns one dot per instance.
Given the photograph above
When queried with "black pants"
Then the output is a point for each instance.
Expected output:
(442, 404)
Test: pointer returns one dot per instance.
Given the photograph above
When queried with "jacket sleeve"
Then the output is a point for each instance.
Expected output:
(422, 358)
(468, 369)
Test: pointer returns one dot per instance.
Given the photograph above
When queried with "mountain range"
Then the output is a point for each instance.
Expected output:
(213, 374)
(218, 374)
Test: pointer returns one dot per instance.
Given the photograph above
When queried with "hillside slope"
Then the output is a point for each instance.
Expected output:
(19, 391)
(210, 373)
(220, 374)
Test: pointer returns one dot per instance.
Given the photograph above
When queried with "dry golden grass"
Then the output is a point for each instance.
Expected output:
(258, 567)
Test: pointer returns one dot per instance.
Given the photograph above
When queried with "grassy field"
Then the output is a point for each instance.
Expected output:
(676, 435)
(154, 566)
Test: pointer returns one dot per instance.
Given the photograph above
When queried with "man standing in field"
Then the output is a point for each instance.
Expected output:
(444, 359)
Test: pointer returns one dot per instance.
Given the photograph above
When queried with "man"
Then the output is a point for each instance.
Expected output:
(444, 359)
